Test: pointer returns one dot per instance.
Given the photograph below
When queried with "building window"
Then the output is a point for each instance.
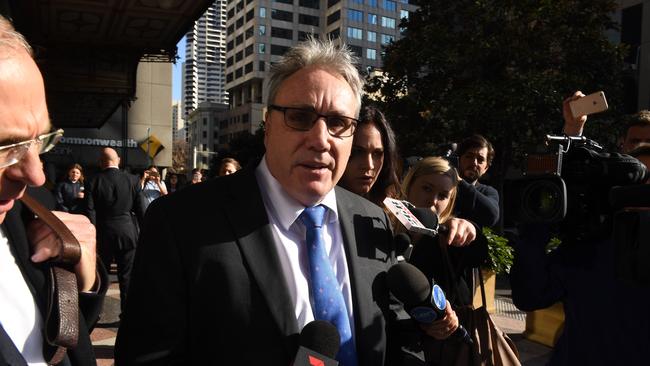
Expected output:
(308, 20)
(239, 39)
(239, 56)
(249, 32)
(331, 3)
(290, 2)
(262, 30)
(281, 33)
(386, 39)
(372, 18)
(313, 4)
(403, 14)
(231, 13)
(358, 51)
(230, 30)
(372, 3)
(355, 33)
(240, 5)
(248, 68)
(357, 2)
(230, 46)
(355, 15)
(239, 23)
(333, 17)
(261, 66)
(389, 5)
(371, 54)
(250, 14)
(388, 22)
(262, 12)
(286, 16)
(371, 36)
(238, 73)
(261, 48)
(303, 35)
(229, 61)
(205, 134)
(278, 50)
(336, 33)
(229, 77)
(248, 50)
(205, 121)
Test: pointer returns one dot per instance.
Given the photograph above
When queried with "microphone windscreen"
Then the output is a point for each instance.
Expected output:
(427, 217)
(321, 336)
(408, 284)
(402, 242)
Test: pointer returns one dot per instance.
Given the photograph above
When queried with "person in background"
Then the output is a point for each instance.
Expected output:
(151, 185)
(475, 201)
(372, 168)
(172, 183)
(197, 176)
(228, 166)
(432, 183)
(69, 192)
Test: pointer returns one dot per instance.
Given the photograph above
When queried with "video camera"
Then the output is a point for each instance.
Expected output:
(570, 185)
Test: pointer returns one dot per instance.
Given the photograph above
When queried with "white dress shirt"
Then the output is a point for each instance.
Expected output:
(19, 314)
(283, 212)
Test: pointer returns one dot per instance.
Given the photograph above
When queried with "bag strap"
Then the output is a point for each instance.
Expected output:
(62, 320)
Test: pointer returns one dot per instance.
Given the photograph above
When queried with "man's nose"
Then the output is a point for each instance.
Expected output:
(29, 170)
(318, 136)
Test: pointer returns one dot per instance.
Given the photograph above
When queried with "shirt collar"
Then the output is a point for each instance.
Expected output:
(286, 209)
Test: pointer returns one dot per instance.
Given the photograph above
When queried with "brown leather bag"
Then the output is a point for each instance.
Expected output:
(62, 321)
(491, 347)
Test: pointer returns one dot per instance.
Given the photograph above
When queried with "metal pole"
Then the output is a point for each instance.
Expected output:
(194, 158)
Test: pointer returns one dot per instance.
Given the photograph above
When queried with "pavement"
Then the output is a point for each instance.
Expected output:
(506, 316)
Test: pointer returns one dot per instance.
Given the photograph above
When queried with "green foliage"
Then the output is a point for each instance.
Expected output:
(499, 252)
(500, 68)
(553, 244)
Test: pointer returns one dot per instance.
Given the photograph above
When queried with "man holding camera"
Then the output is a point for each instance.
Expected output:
(476, 202)
(606, 320)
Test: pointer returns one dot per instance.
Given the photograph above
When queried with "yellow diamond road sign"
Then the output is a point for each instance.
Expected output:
(152, 146)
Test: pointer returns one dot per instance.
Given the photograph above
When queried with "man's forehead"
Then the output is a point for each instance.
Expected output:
(481, 151)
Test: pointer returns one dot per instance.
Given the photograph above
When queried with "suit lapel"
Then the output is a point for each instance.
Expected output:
(366, 312)
(247, 216)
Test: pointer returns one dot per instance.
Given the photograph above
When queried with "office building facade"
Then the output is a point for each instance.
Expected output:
(259, 32)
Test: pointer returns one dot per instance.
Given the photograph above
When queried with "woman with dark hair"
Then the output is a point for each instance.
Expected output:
(70, 192)
(372, 168)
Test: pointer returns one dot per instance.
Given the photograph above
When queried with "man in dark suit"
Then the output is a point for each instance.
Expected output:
(225, 272)
(476, 202)
(112, 200)
(25, 244)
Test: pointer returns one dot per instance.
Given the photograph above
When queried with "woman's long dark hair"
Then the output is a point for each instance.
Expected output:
(387, 183)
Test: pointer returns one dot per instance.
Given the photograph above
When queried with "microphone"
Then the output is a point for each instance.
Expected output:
(428, 218)
(403, 247)
(425, 303)
(319, 344)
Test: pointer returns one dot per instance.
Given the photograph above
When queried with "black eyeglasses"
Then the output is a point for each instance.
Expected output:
(301, 119)
(11, 154)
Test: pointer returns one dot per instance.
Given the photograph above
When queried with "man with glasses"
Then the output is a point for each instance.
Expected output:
(272, 248)
(24, 246)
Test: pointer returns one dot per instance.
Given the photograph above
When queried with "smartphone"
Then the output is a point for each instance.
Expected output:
(590, 104)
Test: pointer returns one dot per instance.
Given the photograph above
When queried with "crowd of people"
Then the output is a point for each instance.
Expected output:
(232, 268)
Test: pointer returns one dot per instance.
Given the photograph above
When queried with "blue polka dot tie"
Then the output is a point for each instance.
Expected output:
(328, 303)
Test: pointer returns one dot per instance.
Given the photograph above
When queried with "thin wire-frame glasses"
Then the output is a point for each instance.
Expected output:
(11, 154)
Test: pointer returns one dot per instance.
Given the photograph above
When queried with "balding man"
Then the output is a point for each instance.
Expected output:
(112, 199)
(26, 245)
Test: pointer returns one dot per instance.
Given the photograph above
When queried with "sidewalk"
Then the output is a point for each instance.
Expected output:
(507, 317)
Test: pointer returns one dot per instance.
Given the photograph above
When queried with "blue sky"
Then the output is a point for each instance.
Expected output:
(177, 70)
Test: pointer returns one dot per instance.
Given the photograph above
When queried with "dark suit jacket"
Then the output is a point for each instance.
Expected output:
(208, 287)
(36, 278)
(477, 203)
(112, 198)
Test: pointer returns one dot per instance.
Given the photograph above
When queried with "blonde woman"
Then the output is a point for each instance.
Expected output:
(432, 184)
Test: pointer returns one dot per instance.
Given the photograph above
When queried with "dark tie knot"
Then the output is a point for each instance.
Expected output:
(313, 216)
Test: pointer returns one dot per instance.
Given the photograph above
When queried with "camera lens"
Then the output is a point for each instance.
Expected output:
(543, 200)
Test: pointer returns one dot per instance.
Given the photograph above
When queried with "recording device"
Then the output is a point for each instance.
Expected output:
(319, 344)
(403, 247)
(569, 185)
(402, 211)
(153, 174)
(589, 104)
(448, 152)
(425, 303)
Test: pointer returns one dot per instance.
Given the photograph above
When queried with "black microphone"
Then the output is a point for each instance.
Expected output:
(428, 218)
(319, 344)
(425, 303)
(403, 247)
